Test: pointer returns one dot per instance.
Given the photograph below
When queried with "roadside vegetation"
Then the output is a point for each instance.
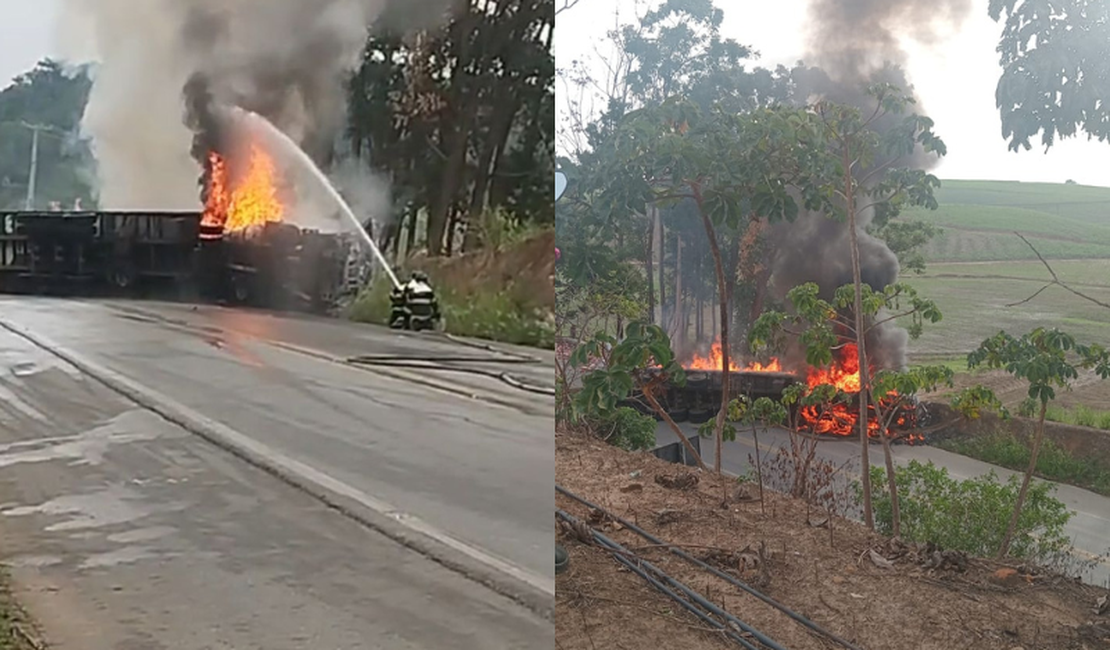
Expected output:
(1054, 463)
(16, 632)
(971, 515)
(501, 293)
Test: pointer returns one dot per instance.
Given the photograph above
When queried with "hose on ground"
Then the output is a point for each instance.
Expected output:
(712, 569)
(434, 363)
(622, 555)
(490, 348)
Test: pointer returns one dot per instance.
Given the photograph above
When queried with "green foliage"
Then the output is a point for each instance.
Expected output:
(644, 346)
(815, 322)
(50, 96)
(460, 118)
(1052, 55)
(1054, 463)
(496, 314)
(764, 409)
(1079, 415)
(970, 402)
(917, 379)
(907, 240)
(972, 515)
(1046, 358)
(626, 428)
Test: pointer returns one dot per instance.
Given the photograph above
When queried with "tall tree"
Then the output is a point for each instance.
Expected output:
(460, 118)
(53, 97)
(864, 175)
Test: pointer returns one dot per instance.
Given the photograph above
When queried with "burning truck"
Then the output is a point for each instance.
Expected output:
(699, 400)
(238, 249)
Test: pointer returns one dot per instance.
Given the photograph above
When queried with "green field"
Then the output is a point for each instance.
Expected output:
(978, 266)
(979, 218)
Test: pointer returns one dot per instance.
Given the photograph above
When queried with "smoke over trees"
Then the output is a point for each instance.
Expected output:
(336, 76)
(676, 49)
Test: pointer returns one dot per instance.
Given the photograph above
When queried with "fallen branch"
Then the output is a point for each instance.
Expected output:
(1055, 280)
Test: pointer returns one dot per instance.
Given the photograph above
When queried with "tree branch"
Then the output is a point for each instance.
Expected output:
(1055, 279)
(567, 4)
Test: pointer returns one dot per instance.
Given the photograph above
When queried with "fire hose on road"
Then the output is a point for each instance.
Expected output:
(812, 626)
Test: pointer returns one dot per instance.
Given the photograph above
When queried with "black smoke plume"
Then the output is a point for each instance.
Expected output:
(852, 44)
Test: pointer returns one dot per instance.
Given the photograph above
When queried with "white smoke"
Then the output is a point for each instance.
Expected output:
(284, 59)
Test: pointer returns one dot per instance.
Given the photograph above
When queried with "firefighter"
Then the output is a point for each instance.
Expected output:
(398, 315)
(421, 305)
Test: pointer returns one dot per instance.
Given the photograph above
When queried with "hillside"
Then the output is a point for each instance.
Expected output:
(977, 269)
(979, 217)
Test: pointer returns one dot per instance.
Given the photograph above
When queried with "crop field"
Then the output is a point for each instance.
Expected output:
(977, 268)
(979, 218)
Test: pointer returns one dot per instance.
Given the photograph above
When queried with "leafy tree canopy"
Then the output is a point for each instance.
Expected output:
(1054, 70)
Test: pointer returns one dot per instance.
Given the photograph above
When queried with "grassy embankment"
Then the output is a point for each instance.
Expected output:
(503, 294)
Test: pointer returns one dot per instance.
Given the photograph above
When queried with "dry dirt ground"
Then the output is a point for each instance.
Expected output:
(827, 576)
(1088, 390)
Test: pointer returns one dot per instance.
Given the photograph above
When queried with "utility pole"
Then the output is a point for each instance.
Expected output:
(35, 128)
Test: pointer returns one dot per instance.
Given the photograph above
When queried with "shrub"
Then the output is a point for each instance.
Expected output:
(486, 313)
(1053, 463)
(626, 428)
(972, 515)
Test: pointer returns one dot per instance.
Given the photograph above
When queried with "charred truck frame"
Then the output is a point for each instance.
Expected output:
(171, 254)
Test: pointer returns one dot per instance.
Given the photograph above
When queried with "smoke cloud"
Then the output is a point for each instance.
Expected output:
(169, 68)
(851, 44)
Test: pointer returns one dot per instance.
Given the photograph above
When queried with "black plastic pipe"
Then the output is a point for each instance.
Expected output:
(712, 569)
(620, 551)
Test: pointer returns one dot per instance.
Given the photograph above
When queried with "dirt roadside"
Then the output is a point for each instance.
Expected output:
(17, 632)
(834, 583)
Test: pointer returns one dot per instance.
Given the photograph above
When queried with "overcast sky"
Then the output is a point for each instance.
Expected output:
(954, 79)
(26, 35)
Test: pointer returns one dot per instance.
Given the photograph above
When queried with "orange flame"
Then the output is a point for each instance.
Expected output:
(833, 419)
(252, 202)
(716, 356)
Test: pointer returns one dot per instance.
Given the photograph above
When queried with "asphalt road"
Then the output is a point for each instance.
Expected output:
(1089, 528)
(124, 530)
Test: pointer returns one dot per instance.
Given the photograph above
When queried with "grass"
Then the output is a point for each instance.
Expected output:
(1053, 463)
(1062, 221)
(976, 308)
(1079, 415)
(13, 622)
(486, 313)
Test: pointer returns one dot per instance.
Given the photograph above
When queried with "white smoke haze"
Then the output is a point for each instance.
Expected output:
(166, 67)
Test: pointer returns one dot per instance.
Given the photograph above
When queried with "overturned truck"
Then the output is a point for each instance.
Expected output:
(172, 255)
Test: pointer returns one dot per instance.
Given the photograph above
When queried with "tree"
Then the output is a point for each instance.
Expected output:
(459, 118)
(733, 167)
(643, 360)
(891, 391)
(53, 97)
(1054, 70)
(865, 177)
(824, 327)
(1047, 359)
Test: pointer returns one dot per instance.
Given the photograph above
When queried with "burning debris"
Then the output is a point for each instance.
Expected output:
(852, 44)
(757, 379)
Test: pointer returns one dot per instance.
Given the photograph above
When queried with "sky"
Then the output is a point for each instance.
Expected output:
(26, 35)
(955, 80)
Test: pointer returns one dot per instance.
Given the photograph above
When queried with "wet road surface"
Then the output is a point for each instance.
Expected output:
(115, 519)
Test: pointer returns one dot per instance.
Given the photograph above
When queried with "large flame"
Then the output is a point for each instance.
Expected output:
(252, 201)
(841, 419)
(716, 357)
